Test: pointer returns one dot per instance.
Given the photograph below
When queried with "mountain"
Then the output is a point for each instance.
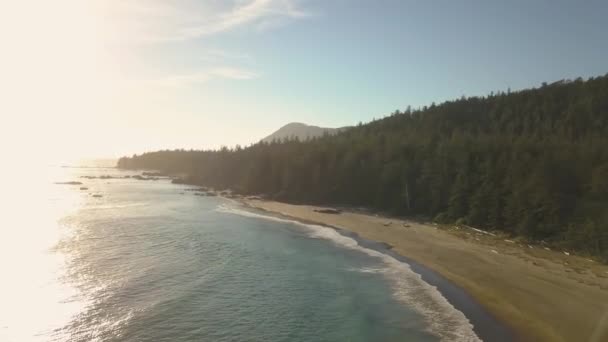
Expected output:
(301, 131)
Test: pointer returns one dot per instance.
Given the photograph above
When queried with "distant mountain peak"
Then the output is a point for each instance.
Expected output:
(300, 131)
(297, 124)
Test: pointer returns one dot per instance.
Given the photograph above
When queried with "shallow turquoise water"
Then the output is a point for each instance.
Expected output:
(149, 261)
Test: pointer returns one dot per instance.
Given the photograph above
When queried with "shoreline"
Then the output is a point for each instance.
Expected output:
(485, 325)
(527, 295)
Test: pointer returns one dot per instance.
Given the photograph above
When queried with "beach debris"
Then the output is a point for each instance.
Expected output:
(406, 225)
(84, 188)
(590, 260)
(69, 183)
(458, 228)
(494, 251)
(327, 211)
(566, 253)
(97, 195)
(482, 231)
(509, 241)
(547, 248)
(386, 224)
(530, 246)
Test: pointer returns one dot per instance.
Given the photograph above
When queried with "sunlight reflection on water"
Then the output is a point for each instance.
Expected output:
(34, 299)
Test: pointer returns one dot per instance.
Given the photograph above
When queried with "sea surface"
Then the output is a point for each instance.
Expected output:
(152, 261)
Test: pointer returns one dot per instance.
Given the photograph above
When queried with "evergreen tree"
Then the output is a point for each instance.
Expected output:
(531, 163)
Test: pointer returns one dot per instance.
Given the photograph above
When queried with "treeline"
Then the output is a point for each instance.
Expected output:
(532, 163)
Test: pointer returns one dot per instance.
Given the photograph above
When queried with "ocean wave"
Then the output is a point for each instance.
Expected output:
(368, 270)
(443, 319)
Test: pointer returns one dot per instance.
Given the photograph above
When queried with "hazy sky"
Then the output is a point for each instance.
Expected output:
(107, 78)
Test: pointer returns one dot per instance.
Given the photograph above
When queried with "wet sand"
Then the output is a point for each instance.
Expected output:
(539, 294)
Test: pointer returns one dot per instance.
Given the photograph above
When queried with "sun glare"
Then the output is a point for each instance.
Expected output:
(58, 74)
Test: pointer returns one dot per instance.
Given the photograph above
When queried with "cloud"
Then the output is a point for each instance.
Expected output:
(256, 12)
(233, 73)
(215, 54)
(137, 25)
(229, 73)
(156, 21)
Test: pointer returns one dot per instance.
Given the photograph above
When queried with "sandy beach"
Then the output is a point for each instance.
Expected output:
(541, 294)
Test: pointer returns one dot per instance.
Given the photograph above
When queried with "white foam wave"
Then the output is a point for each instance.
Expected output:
(443, 319)
(368, 270)
(232, 210)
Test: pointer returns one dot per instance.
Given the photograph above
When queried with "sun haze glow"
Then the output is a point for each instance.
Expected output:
(56, 74)
(75, 84)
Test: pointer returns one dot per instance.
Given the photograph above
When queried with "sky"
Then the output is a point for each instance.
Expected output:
(106, 78)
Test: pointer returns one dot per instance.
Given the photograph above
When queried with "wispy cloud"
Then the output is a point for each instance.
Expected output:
(215, 54)
(200, 77)
(233, 73)
(156, 21)
(257, 12)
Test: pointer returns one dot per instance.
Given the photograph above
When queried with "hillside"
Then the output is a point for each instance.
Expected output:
(300, 131)
(531, 163)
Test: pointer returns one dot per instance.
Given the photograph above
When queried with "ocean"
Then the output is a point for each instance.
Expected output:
(151, 261)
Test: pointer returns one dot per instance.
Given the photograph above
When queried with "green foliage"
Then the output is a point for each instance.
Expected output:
(461, 221)
(531, 163)
(441, 218)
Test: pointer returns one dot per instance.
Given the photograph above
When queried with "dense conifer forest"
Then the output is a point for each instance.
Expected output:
(531, 163)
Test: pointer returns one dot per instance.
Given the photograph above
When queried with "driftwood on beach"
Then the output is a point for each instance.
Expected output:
(327, 211)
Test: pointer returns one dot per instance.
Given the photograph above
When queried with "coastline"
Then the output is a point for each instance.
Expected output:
(507, 291)
(485, 325)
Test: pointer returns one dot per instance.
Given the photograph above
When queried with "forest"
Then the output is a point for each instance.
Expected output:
(531, 163)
